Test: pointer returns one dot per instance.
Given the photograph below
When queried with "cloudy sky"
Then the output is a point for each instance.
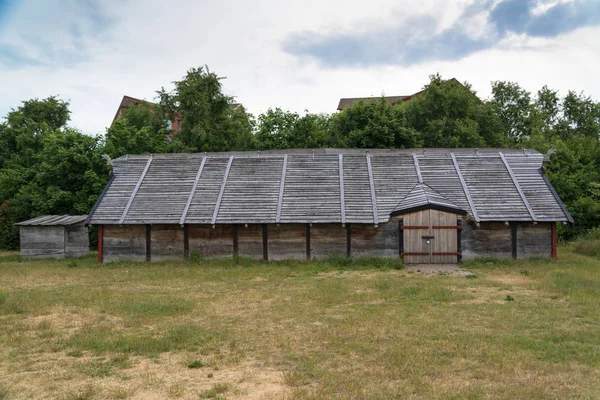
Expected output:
(298, 55)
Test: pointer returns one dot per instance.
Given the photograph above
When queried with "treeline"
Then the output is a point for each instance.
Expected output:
(47, 167)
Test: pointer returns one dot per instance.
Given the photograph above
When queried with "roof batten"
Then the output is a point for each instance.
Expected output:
(135, 190)
(218, 204)
(464, 185)
(281, 188)
(517, 186)
(416, 161)
(342, 199)
(372, 186)
(191, 196)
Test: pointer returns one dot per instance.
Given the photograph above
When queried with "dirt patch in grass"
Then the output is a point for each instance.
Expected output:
(518, 280)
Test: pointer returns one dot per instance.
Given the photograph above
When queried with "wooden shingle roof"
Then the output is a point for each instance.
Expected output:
(324, 186)
(54, 220)
(422, 197)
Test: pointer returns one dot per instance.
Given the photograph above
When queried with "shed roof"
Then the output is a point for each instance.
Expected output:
(323, 186)
(423, 197)
(54, 220)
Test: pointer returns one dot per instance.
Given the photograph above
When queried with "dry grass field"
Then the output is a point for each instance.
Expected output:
(323, 330)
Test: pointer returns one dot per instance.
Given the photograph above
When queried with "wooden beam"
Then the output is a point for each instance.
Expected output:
(236, 248)
(348, 240)
(281, 188)
(372, 186)
(554, 241)
(100, 244)
(459, 239)
(513, 239)
(191, 196)
(342, 198)
(516, 183)
(417, 168)
(135, 190)
(186, 241)
(148, 242)
(400, 238)
(465, 189)
(308, 242)
(223, 184)
(265, 242)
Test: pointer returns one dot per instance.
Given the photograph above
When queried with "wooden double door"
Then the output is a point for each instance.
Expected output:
(431, 237)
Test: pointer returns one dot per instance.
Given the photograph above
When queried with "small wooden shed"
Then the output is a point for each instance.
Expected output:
(54, 236)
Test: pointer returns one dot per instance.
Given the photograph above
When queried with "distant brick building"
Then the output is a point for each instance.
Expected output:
(391, 100)
(174, 123)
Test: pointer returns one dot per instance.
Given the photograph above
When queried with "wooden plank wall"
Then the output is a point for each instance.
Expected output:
(125, 242)
(327, 239)
(166, 242)
(534, 240)
(250, 241)
(368, 241)
(77, 241)
(210, 242)
(491, 239)
(287, 241)
(42, 241)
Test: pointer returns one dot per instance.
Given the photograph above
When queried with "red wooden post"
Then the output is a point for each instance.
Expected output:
(100, 243)
(554, 241)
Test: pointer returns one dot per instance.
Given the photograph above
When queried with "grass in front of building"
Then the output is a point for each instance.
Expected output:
(239, 329)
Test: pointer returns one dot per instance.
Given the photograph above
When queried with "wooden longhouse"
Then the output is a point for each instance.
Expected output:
(425, 205)
(54, 236)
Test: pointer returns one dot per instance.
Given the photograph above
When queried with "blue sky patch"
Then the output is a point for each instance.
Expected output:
(409, 43)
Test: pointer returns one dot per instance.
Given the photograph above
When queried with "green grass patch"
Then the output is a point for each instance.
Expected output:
(184, 337)
(332, 328)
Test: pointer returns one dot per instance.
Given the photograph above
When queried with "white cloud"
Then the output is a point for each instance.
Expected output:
(148, 44)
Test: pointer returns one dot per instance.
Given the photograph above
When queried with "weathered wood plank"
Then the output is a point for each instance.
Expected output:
(517, 186)
(417, 169)
(250, 243)
(281, 189)
(135, 190)
(534, 240)
(287, 241)
(465, 188)
(342, 199)
(327, 240)
(369, 241)
(124, 243)
(223, 184)
(193, 191)
(209, 242)
(372, 187)
(167, 242)
(491, 239)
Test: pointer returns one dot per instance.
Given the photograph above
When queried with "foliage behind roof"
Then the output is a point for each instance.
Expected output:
(323, 185)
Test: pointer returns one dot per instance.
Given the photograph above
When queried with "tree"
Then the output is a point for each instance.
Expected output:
(373, 125)
(21, 134)
(449, 114)
(210, 119)
(513, 106)
(141, 130)
(49, 168)
(278, 129)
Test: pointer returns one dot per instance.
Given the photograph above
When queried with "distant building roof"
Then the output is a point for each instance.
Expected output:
(54, 220)
(391, 100)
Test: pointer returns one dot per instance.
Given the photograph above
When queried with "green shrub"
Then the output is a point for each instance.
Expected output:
(195, 364)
